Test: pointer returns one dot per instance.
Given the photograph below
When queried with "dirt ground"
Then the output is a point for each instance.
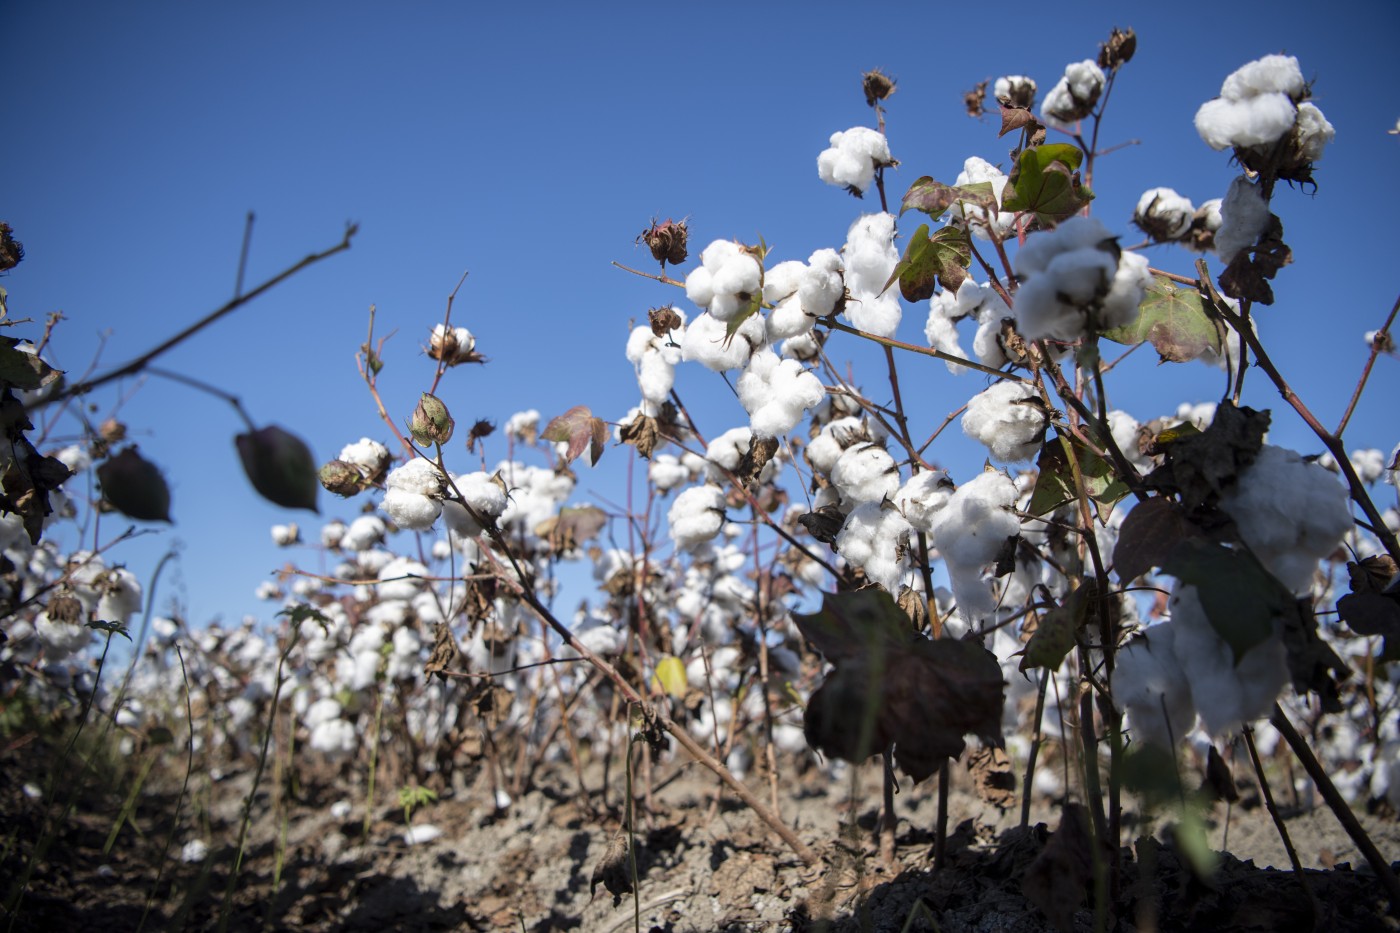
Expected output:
(704, 862)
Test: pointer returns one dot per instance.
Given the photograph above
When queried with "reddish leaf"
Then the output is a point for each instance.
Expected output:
(580, 430)
(1149, 534)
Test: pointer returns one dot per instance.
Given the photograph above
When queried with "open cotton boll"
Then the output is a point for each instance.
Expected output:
(1149, 683)
(1272, 74)
(1255, 106)
(1018, 89)
(483, 494)
(1313, 130)
(1290, 512)
(1009, 419)
(1226, 694)
(336, 738)
(970, 531)
(707, 342)
(865, 473)
(654, 359)
(870, 257)
(62, 639)
(871, 538)
(726, 280)
(822, 283)
(1163, 214)
(665, 472)
(921, 498)
(836, 436)
(1073, 97)
(852, 158)
(727, 451)
(981, 221)
(370, 456)
(776, 393)
(409, 510)
(696, 516)
(1075, 279)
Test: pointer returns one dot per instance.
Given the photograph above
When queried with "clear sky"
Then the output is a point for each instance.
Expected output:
(529, 145)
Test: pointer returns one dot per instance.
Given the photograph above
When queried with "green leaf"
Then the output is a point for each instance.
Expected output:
(1054, 484)
(934, 198)
(929, 260)
(1175, 320)
(24, 370)
(280, 467)
(1055, 633)
(1240, 598)
(1046, 184)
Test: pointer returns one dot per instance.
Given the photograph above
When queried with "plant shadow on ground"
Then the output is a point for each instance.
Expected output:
(529, 867)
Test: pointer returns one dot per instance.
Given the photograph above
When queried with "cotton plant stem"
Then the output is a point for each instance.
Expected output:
(1339, 807)
(1036, 741)
(1277, 817)
(1384, 332)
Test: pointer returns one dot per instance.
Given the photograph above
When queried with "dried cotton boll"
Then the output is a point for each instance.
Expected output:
(696, 516)
(1075, 280)
(870, 257)
(777, 393)
(707, 342)
(1290, 513)
(865, 473)
(1150, 685)
(1073, 97)
(1163, 214)
(1009, 419)
(852, 158)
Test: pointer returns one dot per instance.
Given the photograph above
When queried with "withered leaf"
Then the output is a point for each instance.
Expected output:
(893, 686)
(581, 431)
(445, 655)
(1014, 118)
(1312, 663)
(993, 776)
(1202, 466)
(1060, 877)
(761, 450)
(1148, 534)
(823, 524)
(1219, 783)
(613, 870)
(1056, 632)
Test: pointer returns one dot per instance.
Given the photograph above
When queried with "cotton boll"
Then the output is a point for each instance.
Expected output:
(970, 531)
(865, 473)
(922, 497)
(62, 639)
(777, 393)
(696, 516)
(523, 427)
(852, 158)
(1076, 279)
(1272, 74)
(1290, 512)
(822, 283)
(1369, 464)
(726, 281)
(1073, 97)
(370, 456)
(870, 257)
(980, 220)
(665, 472)
(836, 436)
(707, 342)
(121, 596)
(1018, 89)
(871, 538)
(1256, 121)
(336, 738)
(402, 579)
(1313, 132)
(410, 511)
(1226, 694)
(1149, 683)
(1163, 214)
(781, 281)
(654, 359)
(1009, 419)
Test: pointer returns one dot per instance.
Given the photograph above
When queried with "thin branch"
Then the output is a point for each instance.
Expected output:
(1366, 370)
(144, 360)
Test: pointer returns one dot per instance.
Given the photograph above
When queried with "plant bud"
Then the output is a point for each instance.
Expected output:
(134, 486)
(280, 467)
(431, 423)
(341, 478)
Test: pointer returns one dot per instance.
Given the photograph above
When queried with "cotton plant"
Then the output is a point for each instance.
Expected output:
(853, 158)
(1261, 103)
(1074, 96)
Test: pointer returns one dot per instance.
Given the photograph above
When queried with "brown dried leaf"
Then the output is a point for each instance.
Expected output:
(993, 777)
(445, 655)
(581, 431)
(1149, 534)
(613, 870)
(1059, 878)
(761, 450)
(1201, 466)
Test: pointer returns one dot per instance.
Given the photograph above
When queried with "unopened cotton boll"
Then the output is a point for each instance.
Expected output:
(696, 516)
(852, 158)
(776, 393)
(1009, 419)
(1289, 512)
(1075, 279)
(865, 473)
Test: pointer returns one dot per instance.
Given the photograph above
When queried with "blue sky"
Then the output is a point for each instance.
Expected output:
(530, 145)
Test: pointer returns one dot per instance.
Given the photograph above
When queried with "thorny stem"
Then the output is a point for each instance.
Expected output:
(144, 360)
